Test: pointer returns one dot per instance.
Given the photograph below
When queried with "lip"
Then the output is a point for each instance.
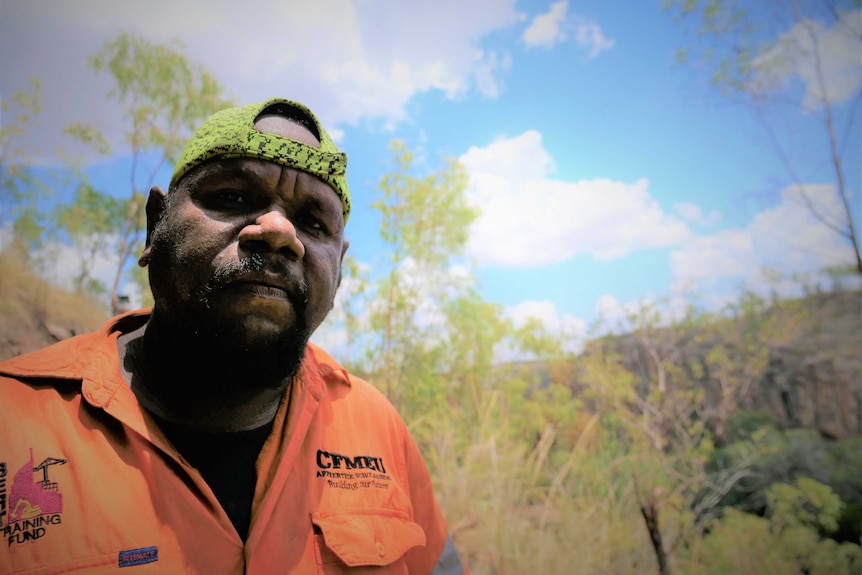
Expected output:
(261, 289)
(265, 285)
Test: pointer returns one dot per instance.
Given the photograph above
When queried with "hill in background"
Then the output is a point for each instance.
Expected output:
(813, 381)
(33, 313)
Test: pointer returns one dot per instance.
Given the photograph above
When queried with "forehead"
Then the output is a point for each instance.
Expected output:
(286, 128)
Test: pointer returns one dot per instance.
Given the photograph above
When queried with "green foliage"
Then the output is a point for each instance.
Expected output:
(733, 38)
(424, 221)
(804, 503)
(739, 353)
(744, 543)
(787, 542)
(164, 97)
(88, 135)
(474, 327)
(426, 218)
(845, 469)
(742, 425)
(787, 457)
(90, 220)
(18, 188)
(540, 454)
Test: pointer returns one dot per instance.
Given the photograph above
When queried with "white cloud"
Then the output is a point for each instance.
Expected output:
(614, 315)
(787, 239)
(570, 331)
(530, 219)
(349, 59)
(426, 288)
(336, 134)
(488, 71)
(692, 213)
(545, 311)
(618, 317)
(552, 28)
(724, 253)
(810, 51)
(608, 305)
(547, 29)
(590, 36)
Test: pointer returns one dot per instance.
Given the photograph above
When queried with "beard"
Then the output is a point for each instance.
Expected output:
(203, 351)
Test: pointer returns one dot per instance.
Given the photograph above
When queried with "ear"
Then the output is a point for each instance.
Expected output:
(344, 249)
(156, 205)
(340, 272)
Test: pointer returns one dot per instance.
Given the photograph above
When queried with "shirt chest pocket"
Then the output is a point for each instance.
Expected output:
(364, 541)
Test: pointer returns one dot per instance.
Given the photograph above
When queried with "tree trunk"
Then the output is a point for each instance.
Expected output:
(649, 510)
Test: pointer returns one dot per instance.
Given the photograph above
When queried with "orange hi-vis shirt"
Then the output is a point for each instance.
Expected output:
(89, 484)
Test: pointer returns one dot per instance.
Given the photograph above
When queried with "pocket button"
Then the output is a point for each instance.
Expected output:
(381, 550)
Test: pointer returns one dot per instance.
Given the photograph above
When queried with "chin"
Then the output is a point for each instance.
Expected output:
(258, 353)
(222, 330)
(266, 335)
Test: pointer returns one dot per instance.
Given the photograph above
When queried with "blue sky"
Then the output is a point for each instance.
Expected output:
(607, 173)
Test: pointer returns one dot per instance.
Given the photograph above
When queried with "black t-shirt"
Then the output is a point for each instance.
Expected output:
(226, 460)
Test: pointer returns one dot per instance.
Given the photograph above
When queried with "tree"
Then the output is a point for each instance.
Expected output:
(18, 188)
(692, 370)
(164, 97)
(425, 222)
(90, 221)
(751, 50)
(786, 541)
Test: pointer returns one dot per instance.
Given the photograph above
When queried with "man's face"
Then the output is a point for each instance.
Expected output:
(250, 249)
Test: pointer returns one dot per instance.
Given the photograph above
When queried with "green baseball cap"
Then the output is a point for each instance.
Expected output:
(230, 133)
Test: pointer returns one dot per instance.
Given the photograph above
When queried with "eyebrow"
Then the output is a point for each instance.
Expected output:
(230, 169)
(241, 168)
(315, 202)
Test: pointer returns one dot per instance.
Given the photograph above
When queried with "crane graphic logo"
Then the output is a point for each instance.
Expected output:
(35, 502)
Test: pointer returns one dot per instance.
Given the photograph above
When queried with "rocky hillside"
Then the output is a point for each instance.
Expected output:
(799, 361)
(34, 314)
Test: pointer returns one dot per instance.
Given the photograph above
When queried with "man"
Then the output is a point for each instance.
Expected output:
(207, 435)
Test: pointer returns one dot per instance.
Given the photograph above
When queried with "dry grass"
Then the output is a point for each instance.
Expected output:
(30, 308)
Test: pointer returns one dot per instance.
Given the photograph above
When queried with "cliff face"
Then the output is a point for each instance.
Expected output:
(801, 363)
(812, 392)
(814, 380)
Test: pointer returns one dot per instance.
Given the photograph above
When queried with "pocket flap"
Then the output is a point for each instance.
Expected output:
(368, 536)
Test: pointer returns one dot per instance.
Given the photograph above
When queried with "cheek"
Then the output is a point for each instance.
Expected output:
(325, 273)
(184, 251)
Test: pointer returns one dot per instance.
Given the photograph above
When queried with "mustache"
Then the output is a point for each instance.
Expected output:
(254, 263)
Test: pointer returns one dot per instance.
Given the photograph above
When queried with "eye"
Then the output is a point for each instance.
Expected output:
(313, 223)
(231, 197)
(227, 200)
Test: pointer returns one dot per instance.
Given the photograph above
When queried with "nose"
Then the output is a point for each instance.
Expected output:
(274, 231)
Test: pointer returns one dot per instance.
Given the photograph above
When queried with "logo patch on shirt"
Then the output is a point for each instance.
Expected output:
(352, 472)
(138, 556)
(34, 502)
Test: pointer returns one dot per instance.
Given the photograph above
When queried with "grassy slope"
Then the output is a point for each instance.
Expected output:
(34, 314)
